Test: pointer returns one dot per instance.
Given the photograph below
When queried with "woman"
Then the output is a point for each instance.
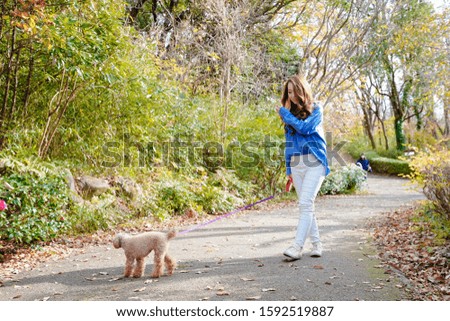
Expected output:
(306, 158)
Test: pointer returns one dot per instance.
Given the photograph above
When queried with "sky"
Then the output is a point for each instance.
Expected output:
(439, 3)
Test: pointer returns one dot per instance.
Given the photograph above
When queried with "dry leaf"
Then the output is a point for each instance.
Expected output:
(268, 290)
(222, 293)
(252, 298)
(318, 267)
(140, 290)
(247, 279)
(17, 296)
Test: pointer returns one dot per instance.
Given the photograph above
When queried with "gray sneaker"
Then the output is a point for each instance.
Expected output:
(294, 252)
(317, 250)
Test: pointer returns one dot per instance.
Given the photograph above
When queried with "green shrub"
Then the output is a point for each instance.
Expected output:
(173, 197)
(343, 180)
(36, 207)
(389, 166)
(214, 200)
(202, 192)
(100, 213)
(432, 172)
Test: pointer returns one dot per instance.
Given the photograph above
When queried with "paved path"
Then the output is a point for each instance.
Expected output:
(240, 258)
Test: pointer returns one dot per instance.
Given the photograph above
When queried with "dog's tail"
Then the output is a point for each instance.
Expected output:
(171, 234)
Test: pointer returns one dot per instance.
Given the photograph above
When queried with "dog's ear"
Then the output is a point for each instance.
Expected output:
(117, 242)
(171, 234)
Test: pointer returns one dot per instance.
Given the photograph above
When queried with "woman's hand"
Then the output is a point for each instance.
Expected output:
(288, 104)
(278, 112)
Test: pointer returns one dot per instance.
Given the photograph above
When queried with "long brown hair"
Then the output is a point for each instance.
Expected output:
(302, 90)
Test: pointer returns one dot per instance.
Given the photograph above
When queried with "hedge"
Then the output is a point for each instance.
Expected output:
(389, 166)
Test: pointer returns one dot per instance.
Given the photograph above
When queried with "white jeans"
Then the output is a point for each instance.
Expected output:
(308, 174)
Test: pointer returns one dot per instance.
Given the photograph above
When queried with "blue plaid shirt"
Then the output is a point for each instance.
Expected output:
(306, 138)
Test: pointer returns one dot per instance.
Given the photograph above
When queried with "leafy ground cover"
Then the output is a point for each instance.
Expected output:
(408, 246)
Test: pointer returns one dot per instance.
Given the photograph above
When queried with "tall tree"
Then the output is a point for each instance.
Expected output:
(402, 53)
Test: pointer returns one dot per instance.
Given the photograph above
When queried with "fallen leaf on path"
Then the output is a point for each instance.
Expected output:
(328, 283)
(247, 279)
(222, 293)
(140, 290)
(17, 296)
(268, 290)
(252, 298)
(114, 279)
(318, 267)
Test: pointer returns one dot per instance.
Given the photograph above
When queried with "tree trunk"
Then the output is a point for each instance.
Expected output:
(446, 116)
(368, 127)
(12, 110)
(66, 95)
(6, 88)
(226, 99)
(3, 14)
(386, 140)
(26, 97)
(399, 134)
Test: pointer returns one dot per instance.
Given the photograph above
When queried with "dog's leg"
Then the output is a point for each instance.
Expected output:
(170, 264)
(128, 267)
(158, 265)
(140, 266)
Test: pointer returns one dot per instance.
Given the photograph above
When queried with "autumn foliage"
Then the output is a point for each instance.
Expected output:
(432, 171)
(408, 246)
